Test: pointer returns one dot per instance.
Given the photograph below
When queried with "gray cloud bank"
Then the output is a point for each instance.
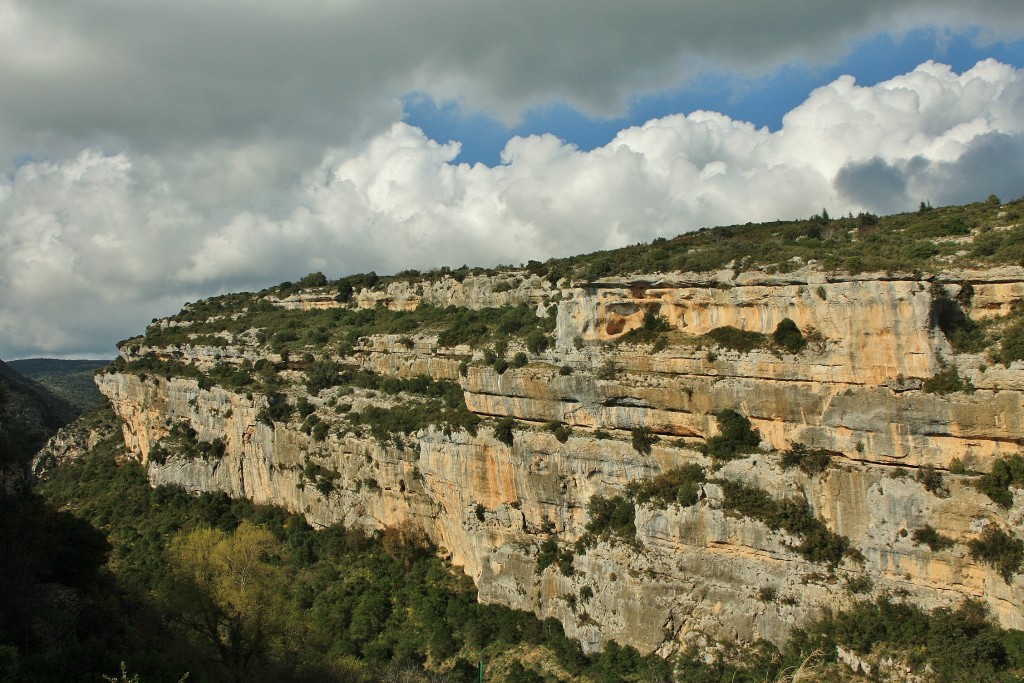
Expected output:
(159, 152)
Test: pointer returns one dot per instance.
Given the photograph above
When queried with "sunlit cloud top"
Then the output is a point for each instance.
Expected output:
(157, 152)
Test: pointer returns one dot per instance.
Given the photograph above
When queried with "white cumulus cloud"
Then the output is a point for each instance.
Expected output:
(93, 245)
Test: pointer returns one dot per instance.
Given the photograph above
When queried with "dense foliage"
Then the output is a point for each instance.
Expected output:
(812, 461)
(787, 336)
(956, 644)
(1006, 473)
(155, 576)
(999, 549)
(611, 518)
(729, 337)
(643, 438)
(678, 486)
(817, 542)
(906, 242)
(737, 437)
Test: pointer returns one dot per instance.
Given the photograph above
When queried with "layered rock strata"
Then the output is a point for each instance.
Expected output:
(690, 572)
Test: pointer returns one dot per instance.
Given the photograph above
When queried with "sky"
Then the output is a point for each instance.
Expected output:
(154, 152)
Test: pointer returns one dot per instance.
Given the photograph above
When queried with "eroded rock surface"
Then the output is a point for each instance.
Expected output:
(855, 391)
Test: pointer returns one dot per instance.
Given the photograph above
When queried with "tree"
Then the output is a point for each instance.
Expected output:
(788, 336)
(503, 431)
(643, 438)
(536, 342)
(226, 592)
(737, 436)
(316, 279)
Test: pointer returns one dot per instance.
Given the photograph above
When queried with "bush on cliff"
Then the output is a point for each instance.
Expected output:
(322, 375)
(643, 438)
(1011, 347)
(503, 430)
(679, 486)
(947, 381)
(1006, 473)
(1000, 550)
(652, 329)
(927, 535)
(729, 337)
(812, 461)
(789, 337)
(737, 437)
(611, 518)
(278, 409)
(818, 543)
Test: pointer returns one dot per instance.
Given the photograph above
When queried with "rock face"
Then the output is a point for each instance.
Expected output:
(67, 445)
(690, 572)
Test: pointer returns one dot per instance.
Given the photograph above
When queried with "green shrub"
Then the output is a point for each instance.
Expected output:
(933, 480)
(1011, 348)
(818, 543)
(609, 370)
(503, 431)
(963, 333)
(313, 280)
(999, 550)
(304, 407)
(1006, 473)
(561, 431)
(947, 381)
(231, 376)
(320, 430)
(322, 375)
(734, 338)
(643, 438)
(788, 336)
(928, 536)
(679, 486)
(548, 554)
(859, 584)
(277, 410)
(811, 460)
(536, 342)
(651, 329)
(611, 517)
(737, 437)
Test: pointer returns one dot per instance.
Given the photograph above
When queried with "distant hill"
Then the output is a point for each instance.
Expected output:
(69, 379)
(29, 415)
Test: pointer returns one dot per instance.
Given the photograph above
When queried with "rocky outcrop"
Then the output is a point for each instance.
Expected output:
(68, 445)
(689, 572)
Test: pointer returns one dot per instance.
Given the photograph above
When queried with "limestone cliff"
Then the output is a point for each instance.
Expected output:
(491, 499)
